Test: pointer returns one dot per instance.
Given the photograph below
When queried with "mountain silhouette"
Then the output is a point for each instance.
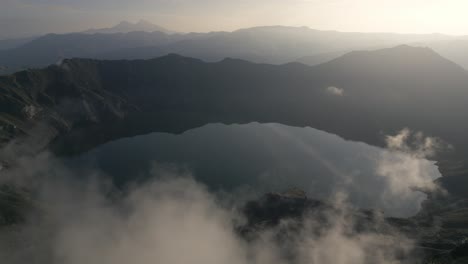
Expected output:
(126, 27)
(381, 92)
(269, 44)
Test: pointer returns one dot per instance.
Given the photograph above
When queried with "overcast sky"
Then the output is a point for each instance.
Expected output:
(30, 17)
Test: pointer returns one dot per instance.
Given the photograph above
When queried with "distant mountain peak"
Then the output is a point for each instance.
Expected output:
(141, 22)
(401, 56)
(404, 48)
(277, 28)
(123, 23)
(229, 60)
(126, 26)
(144, 22)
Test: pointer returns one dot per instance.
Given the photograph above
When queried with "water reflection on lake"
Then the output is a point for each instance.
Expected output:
(271, 157)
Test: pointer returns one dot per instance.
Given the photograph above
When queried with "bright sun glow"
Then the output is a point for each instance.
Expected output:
(403, 16)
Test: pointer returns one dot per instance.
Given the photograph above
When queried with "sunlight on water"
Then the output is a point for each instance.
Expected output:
(274, 157)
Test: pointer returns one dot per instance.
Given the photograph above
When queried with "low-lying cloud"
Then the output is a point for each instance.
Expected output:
(381, 179)
(172, 219)
(335, 91)
(415, 143)
(405, 168)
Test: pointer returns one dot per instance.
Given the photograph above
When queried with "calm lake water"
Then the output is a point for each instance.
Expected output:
(272, 157)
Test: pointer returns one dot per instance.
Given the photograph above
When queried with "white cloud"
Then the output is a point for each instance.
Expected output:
(405, 167)
(335, 90)
(173, 220)
(416, 143)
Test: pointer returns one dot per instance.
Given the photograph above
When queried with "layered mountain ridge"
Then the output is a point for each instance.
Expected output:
(126, 27)
(430, 98)
(78, 104)
(269, 44)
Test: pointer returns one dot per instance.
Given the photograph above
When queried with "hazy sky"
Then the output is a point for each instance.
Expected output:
(26, 17)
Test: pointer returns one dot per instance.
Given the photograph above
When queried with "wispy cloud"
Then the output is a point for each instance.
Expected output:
(335, 91)
(84, 219)
(405, 168)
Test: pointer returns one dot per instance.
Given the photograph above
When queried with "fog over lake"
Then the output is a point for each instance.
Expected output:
(274, 157)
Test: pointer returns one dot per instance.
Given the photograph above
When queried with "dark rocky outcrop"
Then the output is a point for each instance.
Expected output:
(287, 212)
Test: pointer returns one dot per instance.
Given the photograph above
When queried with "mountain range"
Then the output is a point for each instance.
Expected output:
(77, 104)
(126, 27)
(272, 44)
(6, 44)
(382, 91)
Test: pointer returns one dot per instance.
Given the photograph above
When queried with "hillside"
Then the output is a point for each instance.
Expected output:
(79, 104)
(429, 98)
(268, 44)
